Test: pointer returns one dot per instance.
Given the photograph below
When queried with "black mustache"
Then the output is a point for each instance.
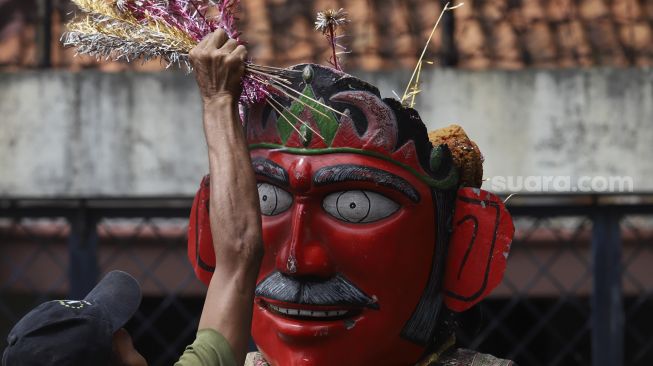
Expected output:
(334, 291)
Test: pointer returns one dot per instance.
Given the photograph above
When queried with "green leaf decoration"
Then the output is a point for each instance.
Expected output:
(287, 117)
(326, 121)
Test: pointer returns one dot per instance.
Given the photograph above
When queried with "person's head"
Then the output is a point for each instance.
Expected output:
(79, 332)
(357, 208)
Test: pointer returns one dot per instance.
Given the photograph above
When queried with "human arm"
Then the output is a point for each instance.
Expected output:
(234, 208)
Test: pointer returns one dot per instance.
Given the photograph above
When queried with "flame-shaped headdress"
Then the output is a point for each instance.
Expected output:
(334, 112)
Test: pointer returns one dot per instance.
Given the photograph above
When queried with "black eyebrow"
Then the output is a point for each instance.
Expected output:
(349, 172)
(270, 170)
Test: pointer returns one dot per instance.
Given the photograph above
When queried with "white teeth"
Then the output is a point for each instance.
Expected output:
(308, 313)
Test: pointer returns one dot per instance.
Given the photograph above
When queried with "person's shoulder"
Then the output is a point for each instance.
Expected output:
(467, 357)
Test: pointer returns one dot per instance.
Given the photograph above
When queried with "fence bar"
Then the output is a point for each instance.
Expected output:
(607, 307)
(82, 246)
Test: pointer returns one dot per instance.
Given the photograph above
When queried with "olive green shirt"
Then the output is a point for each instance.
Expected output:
(209, 349)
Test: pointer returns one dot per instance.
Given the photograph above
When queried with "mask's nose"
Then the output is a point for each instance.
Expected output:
(303, 255)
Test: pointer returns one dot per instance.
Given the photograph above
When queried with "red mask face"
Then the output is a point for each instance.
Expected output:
(349, 228)
(349, 241)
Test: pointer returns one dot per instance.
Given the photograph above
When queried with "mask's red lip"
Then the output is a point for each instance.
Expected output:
(309, 312)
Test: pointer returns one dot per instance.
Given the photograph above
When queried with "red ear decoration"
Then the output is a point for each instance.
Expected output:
(478, 248)
(200, 241)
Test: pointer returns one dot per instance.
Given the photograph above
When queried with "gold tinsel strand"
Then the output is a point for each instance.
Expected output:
(104, 18)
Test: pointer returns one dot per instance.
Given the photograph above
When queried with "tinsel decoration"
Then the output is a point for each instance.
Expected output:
(328, 22)
(126, 30)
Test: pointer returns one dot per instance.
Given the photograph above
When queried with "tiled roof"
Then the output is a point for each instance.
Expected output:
(384, 34)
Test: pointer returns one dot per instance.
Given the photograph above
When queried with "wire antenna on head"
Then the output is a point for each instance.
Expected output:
(412, 89)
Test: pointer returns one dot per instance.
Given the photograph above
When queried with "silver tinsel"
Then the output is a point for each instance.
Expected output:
(117, 49)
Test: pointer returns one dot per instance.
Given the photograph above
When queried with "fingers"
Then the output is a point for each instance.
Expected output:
(213, 41)
(229, 46)
(217, 39)
(203, 44)
(240, 52)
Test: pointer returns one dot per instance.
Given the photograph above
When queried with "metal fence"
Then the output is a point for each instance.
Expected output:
(577, 290)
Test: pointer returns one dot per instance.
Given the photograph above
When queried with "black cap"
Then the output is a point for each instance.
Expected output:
(74, 332)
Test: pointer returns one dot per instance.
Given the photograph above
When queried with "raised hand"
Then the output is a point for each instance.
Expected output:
(219, 64)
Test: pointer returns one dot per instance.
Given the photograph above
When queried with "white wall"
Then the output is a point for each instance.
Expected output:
(94, 134)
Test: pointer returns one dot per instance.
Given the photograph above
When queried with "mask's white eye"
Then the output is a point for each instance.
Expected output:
(273, 199)
(359, 206)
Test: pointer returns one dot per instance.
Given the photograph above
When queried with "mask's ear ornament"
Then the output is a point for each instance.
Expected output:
(482, 228)
(200, 241)
(478, 248)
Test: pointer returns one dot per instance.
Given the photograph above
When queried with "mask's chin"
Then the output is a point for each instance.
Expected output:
(306, 324)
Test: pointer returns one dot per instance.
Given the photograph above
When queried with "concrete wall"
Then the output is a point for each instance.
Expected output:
(94, 134)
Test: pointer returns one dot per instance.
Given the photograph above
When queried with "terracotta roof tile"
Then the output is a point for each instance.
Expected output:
(469, 10)
(625, 11)
(257, 22)
(10, 49)
(475, 63)
(648, 10)
(506, 47)
(390, 34)
(470, 37)
(540, 44)
(561, 10)
(593, 9)
(603, 37)
(637, 36)
(427, 12)
(494, 10)
(471, 45)
(531, 11)
(573, 46)
(404, 41)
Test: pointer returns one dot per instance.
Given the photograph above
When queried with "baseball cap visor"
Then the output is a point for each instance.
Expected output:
(120, 294)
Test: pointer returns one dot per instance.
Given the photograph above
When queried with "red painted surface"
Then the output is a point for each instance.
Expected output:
(478, 248)
(380, 258)
(200, 241)
(389, 260)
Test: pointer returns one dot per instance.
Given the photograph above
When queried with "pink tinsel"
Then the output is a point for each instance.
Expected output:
(190, 16)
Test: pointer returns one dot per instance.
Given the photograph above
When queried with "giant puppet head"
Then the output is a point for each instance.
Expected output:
(372, 232)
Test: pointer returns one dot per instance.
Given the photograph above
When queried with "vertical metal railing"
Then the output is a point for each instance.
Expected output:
(82, 245)
(607, 303)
